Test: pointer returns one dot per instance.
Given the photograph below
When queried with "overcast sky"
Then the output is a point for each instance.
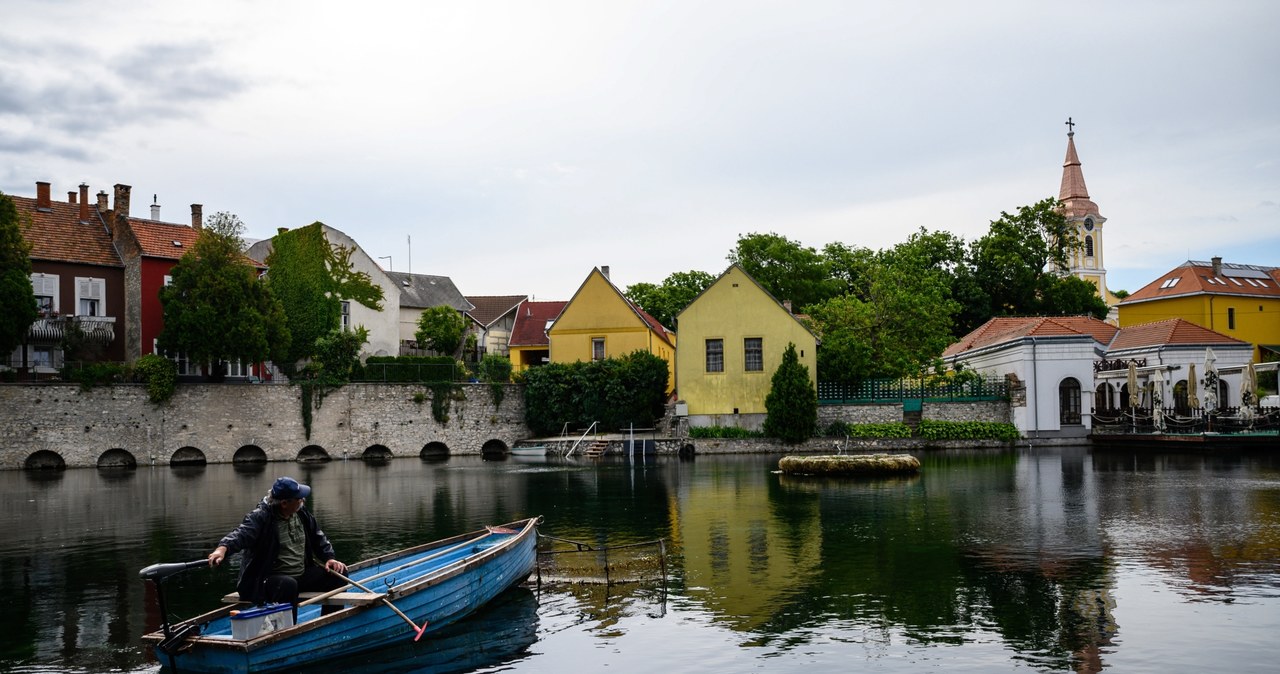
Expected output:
(513, 146)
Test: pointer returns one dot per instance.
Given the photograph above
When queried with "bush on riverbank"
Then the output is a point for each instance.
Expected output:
(968, 430)
(892, 430)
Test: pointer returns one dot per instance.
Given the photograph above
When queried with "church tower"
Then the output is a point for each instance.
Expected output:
(1087, 261)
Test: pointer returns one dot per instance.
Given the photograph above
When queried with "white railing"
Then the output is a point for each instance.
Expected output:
(577, 442)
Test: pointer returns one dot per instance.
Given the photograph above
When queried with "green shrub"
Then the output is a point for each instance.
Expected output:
(616, 392)
(89, 375)
(968, 430)
(408, 369)
(723, 432)
(792, 404)
(159, 374)
(890, 430)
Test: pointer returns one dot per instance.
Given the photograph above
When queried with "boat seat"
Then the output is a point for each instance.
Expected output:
(340, 599)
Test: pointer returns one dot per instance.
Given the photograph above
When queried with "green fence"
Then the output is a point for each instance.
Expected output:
(408, 372)
(898, 390)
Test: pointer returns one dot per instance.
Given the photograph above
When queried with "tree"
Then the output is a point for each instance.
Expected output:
(311, 278)
(441, 329)
(217, 309)
(786, 269)
(792, 404)
(17, 299)
(666, 301)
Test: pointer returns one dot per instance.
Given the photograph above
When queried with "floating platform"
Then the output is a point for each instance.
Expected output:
(850, 464)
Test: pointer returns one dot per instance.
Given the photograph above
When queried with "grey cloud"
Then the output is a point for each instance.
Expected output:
(32, 144)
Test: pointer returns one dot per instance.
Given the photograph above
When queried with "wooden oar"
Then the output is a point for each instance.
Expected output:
(417, 630)
(330, 593)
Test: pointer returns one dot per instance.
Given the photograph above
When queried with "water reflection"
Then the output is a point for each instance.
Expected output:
(1054, 560)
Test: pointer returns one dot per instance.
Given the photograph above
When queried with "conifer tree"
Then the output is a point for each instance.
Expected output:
(792, 403)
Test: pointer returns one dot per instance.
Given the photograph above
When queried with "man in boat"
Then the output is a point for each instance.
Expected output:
(285, 552)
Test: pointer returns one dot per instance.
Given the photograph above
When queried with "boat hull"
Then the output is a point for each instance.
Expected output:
(436, 591)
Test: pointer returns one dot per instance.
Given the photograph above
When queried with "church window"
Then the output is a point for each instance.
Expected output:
(1088, 246)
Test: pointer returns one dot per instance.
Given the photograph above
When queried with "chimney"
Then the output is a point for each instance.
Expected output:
(71, 197)
(102, 201)
(155, 207)
(786, 304)
(84, 202)
(604, 269)
(1217, 266)
(197, 217)
(43, 201)
(122, 200)
(281, 230)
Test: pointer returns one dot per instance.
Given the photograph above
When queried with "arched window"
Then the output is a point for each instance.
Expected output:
(1181, 402)
(1104, 398)
(1088, 246)
(1069, 401)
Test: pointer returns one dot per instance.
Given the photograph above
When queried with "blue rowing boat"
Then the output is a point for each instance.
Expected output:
(396, 597)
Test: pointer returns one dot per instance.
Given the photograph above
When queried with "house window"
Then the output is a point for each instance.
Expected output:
(1231, 318)
(753, 354)
(44, 304)
(42, 356)
(91, 296)
(1069, 401)
(715, 355)
(597, 348)
(168, 279)
(1088, 246)
(45, 288)
(346, 315)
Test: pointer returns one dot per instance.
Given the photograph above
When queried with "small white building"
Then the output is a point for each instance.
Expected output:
(1066, 368)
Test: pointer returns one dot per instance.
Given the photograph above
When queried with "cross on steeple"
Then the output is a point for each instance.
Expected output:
(1071, 127)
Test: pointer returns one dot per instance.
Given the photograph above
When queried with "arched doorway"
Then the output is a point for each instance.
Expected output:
(1069, 402)
(187, 456)
(1181, 399)
(249, 454)
(45, 460)
(494, 449)
(313, 454)
(376, 454)
(117, 458)
(434, 451)
(1104, 398)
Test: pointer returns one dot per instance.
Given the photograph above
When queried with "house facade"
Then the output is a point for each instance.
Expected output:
(419, 292)
(529, 345)
(496, 316)
(733, 336)
(383, 325)
(78, 277)
(1238, 300)
(600, 322)
(1066, 369)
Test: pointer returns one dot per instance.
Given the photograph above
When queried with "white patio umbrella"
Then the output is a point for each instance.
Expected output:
(1249, 385)
(1134, 397)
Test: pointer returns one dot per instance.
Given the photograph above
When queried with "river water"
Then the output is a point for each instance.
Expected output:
(1057, 559)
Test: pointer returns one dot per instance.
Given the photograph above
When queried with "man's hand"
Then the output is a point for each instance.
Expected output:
(219, 553)
(335, 566)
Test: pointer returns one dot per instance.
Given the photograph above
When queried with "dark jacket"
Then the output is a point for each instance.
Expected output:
(257, 538)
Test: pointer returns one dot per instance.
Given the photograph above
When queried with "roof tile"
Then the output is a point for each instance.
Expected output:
(58, 235)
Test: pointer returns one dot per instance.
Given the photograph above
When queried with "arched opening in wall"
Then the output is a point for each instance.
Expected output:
(249, 454)
(1104, 399)
(434, 451)
(494, 449)
(686, 451)
(376, 454)
(1181, 401)
(313, 454)
(187, 456)
(1088, 246)
(117, 458)
(1222, 394)
(1069, 401)
(44, 460)
(1124, 398)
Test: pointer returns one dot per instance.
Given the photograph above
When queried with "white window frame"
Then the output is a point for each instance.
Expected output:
(91, 288)
(344, 321)
(597, 348)
(46, 285)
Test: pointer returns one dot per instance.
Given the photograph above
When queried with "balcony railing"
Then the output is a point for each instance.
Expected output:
(52, 329)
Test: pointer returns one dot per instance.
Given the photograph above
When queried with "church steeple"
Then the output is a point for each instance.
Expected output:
(1080, 211)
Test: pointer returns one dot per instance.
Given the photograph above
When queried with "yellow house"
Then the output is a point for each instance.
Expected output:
(734, 334)
(599, 322)
(1237, 300)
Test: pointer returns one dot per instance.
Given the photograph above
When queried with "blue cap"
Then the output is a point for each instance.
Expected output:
(287, 487)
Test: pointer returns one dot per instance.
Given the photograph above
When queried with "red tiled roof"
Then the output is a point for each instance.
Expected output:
(489, 308)
(163, 239)
(1169, 332)
(1195, 278)
(530, 328)
(652, 322)
(58, 235)
(1008, 329)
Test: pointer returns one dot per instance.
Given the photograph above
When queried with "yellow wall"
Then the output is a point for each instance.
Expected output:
(732, 309)
(1257, 319)
(599, 310)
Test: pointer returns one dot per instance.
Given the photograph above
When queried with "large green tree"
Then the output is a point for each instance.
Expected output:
(1016, 270)
(791, 408)
(441, 329)
(17, 299)
(311, 278)
(788, 270)
(217, 309)
(664, 302)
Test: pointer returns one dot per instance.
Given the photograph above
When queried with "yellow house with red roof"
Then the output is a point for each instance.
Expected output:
(1237, 300)
(600, 322)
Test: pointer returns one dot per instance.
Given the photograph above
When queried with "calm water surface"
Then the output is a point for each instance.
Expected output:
(1034, 560)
